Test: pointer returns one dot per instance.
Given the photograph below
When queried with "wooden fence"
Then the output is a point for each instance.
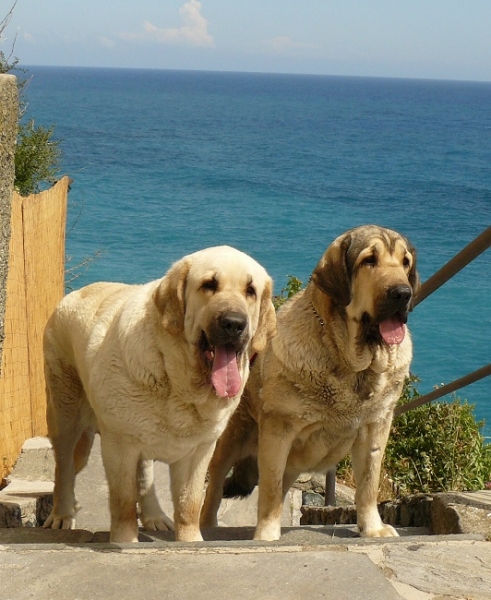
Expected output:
(35, 284)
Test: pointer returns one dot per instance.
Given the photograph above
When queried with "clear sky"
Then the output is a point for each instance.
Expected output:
(436, 39)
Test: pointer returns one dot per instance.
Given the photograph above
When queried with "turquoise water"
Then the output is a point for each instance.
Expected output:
(167, 162)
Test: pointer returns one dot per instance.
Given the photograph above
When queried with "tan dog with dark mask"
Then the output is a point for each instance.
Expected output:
(326, 384)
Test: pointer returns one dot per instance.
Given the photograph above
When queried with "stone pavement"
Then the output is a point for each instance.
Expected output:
(308, 562)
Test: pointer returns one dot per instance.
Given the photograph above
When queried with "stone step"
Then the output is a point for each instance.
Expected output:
(308, 562)
(225, 537)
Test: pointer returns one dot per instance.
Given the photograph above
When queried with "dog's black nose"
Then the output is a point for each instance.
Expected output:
(233, 324)
(401, 295)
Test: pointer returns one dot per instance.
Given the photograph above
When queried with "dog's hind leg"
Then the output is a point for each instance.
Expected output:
(71, 427)
(152, 516)
(83, 448)
(237, 448)
(221, 463)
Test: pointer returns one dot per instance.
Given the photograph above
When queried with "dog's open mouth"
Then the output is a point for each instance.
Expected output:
(223, 363)
(393, 329)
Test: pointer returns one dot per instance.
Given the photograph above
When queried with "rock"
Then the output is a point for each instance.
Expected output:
(328, 515)
(459, 513)
(441, 514)
(24, 511)
(410, 511)
(310, 498)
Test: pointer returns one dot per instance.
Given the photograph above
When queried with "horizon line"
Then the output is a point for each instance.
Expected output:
(245, 72)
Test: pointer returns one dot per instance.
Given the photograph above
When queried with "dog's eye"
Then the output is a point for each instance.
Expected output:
(369, 261)
(210, 285)
(406, 262)
(251, 291)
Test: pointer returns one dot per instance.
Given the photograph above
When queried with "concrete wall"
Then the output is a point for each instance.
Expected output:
(9, 110)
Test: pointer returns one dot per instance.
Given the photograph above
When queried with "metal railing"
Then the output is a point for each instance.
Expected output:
(456, 264)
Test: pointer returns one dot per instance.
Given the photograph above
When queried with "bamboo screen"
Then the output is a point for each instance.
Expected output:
(35, 284)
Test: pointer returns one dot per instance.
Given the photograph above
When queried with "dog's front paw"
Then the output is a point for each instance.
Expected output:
(267, 532)
(383, 531)
(159, 522)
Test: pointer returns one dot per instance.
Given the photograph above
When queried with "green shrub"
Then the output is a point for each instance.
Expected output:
(37, 158)
(437, 447)
(293, 286)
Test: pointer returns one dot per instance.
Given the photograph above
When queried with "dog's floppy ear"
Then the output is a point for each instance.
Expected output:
(331, 274)
(413, 276)
(169, 297)
(267, 319)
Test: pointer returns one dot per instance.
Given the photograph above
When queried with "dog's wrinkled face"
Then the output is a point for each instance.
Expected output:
(220, 299)
(371, 273)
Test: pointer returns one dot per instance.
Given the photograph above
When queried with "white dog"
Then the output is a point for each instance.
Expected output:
(157, 369)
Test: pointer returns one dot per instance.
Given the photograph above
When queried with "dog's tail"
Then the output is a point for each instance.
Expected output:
(243, 479)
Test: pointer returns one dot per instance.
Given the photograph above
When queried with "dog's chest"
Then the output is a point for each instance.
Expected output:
(167, 424)
(333, 414)
(348, 402)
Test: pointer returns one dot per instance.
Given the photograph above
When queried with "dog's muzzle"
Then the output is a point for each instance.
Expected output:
(221, 347)
(392, 325)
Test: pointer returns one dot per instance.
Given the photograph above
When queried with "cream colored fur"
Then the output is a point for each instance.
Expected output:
(127, 361)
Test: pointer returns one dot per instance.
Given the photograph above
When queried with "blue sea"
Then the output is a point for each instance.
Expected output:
(167, 162)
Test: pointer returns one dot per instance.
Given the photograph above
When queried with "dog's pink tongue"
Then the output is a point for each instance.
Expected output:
(225, 375)
(392, 330)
